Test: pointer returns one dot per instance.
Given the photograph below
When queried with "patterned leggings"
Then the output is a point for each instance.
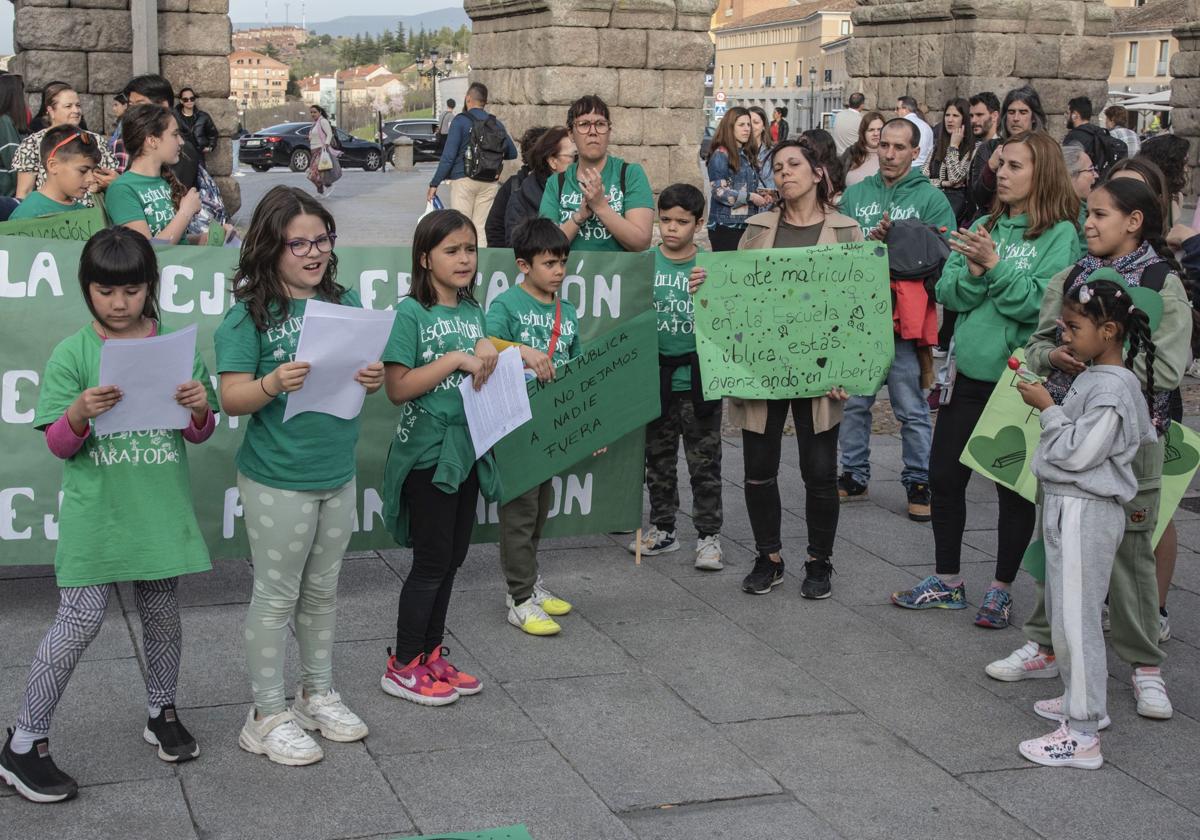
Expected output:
(80, 615)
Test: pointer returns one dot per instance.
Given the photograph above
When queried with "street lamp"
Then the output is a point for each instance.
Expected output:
(812, 84)
(427, 66)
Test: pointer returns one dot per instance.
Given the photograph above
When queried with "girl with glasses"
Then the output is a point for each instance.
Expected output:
(296, 481)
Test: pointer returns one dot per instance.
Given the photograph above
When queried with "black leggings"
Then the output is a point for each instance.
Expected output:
(440, 525)
(948, 478)
(818, 467)
(725, 237)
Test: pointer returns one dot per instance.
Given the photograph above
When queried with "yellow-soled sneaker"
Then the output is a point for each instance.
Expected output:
(532, 619)
(550, 603)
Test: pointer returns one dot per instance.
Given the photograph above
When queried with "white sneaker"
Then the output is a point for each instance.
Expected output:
(1194, 369)
(1164, 629)
(1151, 694)
(655, 542)
(280, 739)
(1024, 663)
(547, 600)
(1052, 709)
(532, 619)
(709, 554)
(327, 713)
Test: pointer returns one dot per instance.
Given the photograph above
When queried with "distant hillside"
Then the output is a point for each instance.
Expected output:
(354, 24)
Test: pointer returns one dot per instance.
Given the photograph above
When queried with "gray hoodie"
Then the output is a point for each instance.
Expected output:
(1089, 442)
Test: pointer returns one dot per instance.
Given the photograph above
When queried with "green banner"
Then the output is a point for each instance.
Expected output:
(41, 305)
(1002, 445)
(72, 226)
(608, 392)
(794, 322)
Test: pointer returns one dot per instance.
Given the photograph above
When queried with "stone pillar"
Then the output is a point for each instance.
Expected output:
(935, 50)
(645, 58)
(1185, 93)
(89, 43)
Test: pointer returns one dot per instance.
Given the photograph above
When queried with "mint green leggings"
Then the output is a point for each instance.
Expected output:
(297, 540)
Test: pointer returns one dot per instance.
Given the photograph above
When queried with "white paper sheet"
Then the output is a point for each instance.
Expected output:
(338, 341)
(500, 406)
(147, 370)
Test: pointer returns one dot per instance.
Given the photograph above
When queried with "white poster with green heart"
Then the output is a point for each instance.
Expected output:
(1001, 449)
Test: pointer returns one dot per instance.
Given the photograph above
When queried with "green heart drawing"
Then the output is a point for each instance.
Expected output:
(1180, 457)
(704, 302)
(1002, 456)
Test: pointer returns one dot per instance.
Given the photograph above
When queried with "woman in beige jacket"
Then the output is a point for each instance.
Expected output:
(805, 217)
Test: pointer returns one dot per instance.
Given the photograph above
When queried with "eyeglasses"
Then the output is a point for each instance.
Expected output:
(187, 99)
(304, 247)
(593, 127)
(1090, 170)
(82, 136)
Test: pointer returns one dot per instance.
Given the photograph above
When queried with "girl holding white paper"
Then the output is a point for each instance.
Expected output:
(432, 480)
(126, 515)
(297, 481)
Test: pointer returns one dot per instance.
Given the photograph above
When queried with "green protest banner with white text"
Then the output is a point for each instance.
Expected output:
(794, 322)
(72, 226)
(40, 304)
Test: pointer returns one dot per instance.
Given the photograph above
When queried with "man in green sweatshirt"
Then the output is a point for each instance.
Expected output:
(897, 191)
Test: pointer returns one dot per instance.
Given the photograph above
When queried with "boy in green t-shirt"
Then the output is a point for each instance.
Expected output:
(685, 413)
(546, 328)
(69, 156)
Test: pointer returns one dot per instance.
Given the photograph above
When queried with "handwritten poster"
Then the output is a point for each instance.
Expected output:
(794, 322)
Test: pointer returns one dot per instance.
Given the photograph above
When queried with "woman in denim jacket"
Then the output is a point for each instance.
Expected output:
(734, 178)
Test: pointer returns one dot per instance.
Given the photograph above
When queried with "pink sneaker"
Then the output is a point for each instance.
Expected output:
(1052, 709)
(416, 682)
(442, 670)
(1064, 748)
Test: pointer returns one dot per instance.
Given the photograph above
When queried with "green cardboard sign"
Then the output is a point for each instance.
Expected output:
(794, 322)
(1002, 445)
(610, 390)
(72, 226)
(40, 304)
(512, 832)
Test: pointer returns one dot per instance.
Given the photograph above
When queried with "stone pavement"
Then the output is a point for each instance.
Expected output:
(672, 707)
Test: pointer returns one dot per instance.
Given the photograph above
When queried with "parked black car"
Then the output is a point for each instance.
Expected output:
(423, 133)
(287, 145)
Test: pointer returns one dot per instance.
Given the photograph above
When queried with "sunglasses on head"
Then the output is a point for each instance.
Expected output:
(82, 136)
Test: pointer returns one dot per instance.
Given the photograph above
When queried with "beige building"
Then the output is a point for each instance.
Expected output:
(286, 39)
(788, 54)
(256, 80)
(371, 84)
(1142, 44)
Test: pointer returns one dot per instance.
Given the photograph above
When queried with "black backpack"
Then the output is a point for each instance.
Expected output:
(1112, 149)
(484, 156)
(916, 252)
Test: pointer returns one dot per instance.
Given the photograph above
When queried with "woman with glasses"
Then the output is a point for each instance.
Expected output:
(1083, 177)
(550, 155)
(197, 122)
(62, 107)
(601, 202)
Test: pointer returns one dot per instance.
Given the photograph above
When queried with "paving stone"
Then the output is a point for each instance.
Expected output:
(96, 735)
(30, 605)
(227, 788)
(229, 582)
(368, 591)
(1160, 754)
(764, 817)
(398, 726)
(142, 810)
(614, 590)
(630, 737)
(870, 783)
(969, 730)
(479, 620)
(1084, 805)
(475, 789)
(896, 539)
(699, 659)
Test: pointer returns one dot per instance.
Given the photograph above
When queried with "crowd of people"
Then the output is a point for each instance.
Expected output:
(1042, 246)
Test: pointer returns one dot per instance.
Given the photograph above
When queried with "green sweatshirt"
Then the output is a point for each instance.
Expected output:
(999, 310)
(912, 197)
(1172, 339)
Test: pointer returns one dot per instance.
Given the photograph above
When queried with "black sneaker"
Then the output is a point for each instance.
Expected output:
(174, 742)
(816, 580)
(918, 503)
(764, 577)
(34, 774)
(849, 489)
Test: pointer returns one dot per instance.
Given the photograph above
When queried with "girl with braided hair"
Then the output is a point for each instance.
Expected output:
(1084, 463)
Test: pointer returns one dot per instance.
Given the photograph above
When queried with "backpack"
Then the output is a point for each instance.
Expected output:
(916, 252)
(335, 142)
(484, 155)
(1112, 150)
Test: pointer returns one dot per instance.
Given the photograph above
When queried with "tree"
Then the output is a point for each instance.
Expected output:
(270, 51)
(401, 38)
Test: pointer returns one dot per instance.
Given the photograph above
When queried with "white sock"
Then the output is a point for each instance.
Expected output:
(22, 740)
(154, 711)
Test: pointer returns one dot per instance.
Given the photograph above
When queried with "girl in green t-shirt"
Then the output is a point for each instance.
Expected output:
(147, 197)
(126, 515)
(432, 479)
(296, 481)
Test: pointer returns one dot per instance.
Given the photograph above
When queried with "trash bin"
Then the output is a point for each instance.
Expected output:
(402, 154)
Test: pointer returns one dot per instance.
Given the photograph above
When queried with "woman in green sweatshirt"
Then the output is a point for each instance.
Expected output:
(995, 279)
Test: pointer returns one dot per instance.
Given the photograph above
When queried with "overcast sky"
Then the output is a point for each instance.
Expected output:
(329, 9)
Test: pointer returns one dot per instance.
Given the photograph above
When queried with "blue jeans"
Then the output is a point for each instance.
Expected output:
(910, 408)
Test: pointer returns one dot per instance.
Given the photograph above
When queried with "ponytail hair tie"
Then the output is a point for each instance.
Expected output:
(1085, 294)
